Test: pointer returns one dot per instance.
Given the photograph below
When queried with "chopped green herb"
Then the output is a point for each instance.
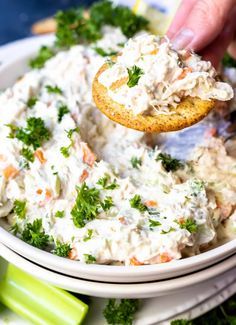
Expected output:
(135, 74)
(107, 204)
(53, 90)
(35, 132)
(103, 181)
(34, 234)
(71, 131)
(169, 163)
(87, 205)
(103, 53)
(62, 249)
(27, 154)
(197, 186)
(163, 232)
(60, 214)
(89, 259)
(89, 235)
(45, 53)
(31, 102)
(154, 223)
(228, 61)
(136, 203)
(62, 110)
(188, 224)
(14, 229)
(121, 312)
(136, 162)
(65, 151)
(20, 208)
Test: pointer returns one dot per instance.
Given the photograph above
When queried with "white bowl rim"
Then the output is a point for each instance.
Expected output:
(208, 257)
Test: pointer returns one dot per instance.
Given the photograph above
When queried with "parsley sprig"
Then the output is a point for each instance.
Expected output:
(135, 74)
(34, 134)
(136, 162)
(188, 224)
(62, 249)
(120, 312)
(65, 151)
(34, 234)
(62, 110)
(169, 163)
(104, 183)
(45, 53)
(89, 259)
(136, 203)
(53, 90)
(19, 208)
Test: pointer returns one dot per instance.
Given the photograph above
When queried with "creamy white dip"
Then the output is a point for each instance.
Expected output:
(166, 76)
(156, 232)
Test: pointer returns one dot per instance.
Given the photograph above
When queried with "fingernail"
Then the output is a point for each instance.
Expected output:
(182, 39)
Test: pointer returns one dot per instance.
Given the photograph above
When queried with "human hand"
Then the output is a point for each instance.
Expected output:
(205, 26)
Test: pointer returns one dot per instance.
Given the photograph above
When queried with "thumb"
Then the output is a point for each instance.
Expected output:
(203, 24)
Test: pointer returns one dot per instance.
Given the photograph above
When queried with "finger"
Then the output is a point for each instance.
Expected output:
(216, 50)
(180, 16)
(204, 23)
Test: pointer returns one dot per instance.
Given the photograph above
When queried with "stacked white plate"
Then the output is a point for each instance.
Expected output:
(185, 283)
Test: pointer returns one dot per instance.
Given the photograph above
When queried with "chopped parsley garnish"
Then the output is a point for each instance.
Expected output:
(135, 74)
(136, 203)
(188, 224)
(154, 223)
(31, 102)
(136, 162)
(19, 208)
(104, 182)
(14, 229)
(89, 259)
(197, 186)
(60, 214)
(169, 163)
(62, 110)
(35, 132)
(53, 90)
(164, 232)
(102, 52)
(228, 61)
(34, 234)
(121, 312)
(62, 249)
(75, 26)
(45, 53)
(89, 235)
(65, 150)
(87, 205)
(107, 204)
(27, 154)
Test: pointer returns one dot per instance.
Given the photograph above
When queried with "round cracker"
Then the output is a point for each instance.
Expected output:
(190, 111)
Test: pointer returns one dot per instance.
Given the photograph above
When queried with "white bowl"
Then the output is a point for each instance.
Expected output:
(14, 62)
(118, 290)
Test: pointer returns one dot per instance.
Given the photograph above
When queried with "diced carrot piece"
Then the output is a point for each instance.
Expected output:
(181, 220)
(150, 203)
(89, 157)
(184, 73)
(164, 258)
(154, 52)
(72, 254)
(10, 172)
(39, 191)
(39, 154)
(122, 220)
(84, 175)
(135, 262)
(119, 83)
(48, 194)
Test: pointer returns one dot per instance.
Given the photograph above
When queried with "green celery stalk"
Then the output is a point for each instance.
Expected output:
(39, 302)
